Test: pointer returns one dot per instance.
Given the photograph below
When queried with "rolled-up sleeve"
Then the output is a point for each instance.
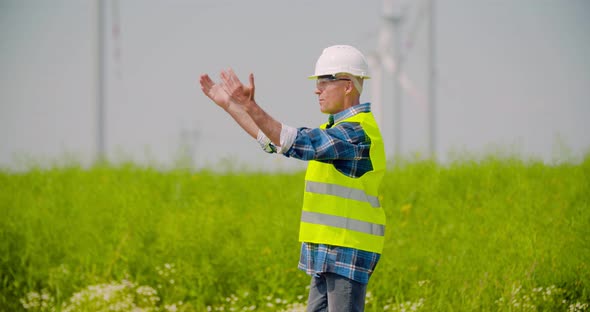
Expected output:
(288, 135)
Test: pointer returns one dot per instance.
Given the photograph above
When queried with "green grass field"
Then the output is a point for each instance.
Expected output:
(497, 234)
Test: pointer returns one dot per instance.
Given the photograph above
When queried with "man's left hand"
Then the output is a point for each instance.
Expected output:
(239, 93)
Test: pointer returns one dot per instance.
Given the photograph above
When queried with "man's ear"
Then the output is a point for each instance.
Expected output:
(350, 87)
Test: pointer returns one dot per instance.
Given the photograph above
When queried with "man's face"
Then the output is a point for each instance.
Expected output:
(331, 91)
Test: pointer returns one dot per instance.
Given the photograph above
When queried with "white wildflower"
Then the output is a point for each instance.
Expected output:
(38, 301)
(577, 307)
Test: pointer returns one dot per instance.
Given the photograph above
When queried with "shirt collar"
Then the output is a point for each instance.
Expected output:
(349, 112)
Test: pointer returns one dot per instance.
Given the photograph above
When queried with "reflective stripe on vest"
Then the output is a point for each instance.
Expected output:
(344, 223)
(341, 191)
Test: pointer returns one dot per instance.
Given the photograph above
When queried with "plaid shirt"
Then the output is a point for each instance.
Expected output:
(346, 146)
(357, 265)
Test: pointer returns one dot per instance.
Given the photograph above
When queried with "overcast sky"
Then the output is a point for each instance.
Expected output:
(512, 75)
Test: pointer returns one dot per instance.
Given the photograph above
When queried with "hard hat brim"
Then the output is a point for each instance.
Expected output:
(316, 76)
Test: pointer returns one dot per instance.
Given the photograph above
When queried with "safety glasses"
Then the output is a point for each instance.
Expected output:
(323, 81)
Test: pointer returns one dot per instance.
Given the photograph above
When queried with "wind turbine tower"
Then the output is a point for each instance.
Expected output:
(387, 58)
(390, 56)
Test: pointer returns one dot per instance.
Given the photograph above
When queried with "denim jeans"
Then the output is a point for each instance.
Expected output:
(331, 292)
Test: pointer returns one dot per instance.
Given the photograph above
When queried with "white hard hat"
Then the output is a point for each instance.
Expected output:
(341, 59)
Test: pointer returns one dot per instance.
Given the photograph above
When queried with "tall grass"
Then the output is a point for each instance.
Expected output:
(466, 235)
(498, 234)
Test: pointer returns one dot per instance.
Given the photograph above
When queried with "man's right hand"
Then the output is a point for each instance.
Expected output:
(214, 91)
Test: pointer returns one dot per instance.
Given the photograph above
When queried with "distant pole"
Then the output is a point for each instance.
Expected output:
(188, 146)
(432, 80)
(396, 21)
(101, 82)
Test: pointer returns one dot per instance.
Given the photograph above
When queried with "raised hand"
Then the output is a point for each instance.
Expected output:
(238, 92)
(214, 91)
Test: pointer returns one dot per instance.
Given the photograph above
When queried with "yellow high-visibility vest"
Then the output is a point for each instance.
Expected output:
(343, 211)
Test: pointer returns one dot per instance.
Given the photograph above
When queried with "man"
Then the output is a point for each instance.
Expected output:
(342, 223)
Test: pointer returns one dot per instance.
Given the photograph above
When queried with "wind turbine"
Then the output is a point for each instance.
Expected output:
(386, 59)
(389, 57)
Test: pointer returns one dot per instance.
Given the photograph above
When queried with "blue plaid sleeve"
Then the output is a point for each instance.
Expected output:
(345, 145)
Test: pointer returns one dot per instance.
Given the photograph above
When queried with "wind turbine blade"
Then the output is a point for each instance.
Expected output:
(389, 64)
(411, 90)
(376, 87)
